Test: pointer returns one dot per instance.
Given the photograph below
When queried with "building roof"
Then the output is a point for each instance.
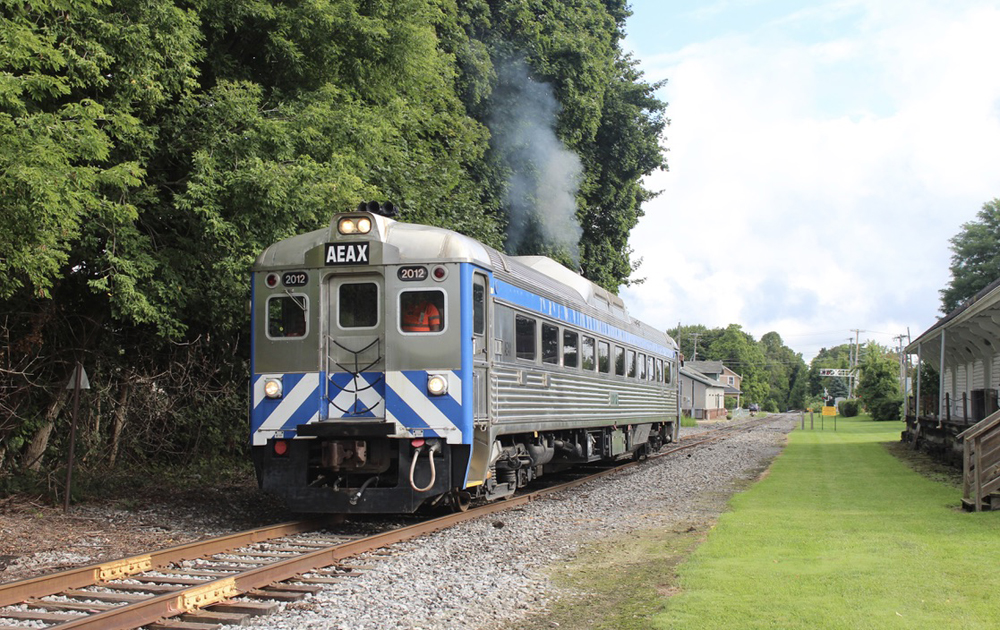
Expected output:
(695, 375)
(705, 367)
(970, 331)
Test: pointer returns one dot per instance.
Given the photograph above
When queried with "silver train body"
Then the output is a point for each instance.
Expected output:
(512, 367)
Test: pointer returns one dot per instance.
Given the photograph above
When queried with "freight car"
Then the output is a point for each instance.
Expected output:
(397, 365)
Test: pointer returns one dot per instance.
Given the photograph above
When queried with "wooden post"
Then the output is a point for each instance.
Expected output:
(966, 468)
(947, 406)
(965, 408)
(977, 479)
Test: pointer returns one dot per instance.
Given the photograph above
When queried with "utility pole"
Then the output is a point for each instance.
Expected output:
(850, 361)
(695, 356)
(857, 351)
(902, 364)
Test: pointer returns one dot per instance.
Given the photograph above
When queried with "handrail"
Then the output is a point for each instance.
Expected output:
(986, 424)
(974, 464)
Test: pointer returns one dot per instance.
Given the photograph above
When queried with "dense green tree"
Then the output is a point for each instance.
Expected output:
(837, 357)
(150, 151)
(878, 382)
(975, 260)
(607, 115)
(786, 371)
(740, 352)
(695, 337)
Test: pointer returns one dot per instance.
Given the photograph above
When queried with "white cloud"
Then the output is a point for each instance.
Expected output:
(814, 185)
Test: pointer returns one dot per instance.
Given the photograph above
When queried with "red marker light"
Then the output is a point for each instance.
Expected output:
(417, 443)
(281, 448)
(439, 272)
(271, 280)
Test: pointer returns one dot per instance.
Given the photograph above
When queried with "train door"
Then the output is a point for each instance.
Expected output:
(482, 332)
(354, 346)
(480, 347)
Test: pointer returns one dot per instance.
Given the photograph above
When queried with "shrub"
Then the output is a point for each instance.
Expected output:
(885, 409)
(849, 408)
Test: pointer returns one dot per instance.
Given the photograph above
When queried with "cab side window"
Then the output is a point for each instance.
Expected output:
(421, 311)
(478, 305)
(286, 316)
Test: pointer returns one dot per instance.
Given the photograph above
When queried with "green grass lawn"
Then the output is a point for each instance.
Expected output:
(841, 534)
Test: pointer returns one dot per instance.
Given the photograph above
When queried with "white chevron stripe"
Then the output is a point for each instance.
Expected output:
(290, 402)
(417, 401)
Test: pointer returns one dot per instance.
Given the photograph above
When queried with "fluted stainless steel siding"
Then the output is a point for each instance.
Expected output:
(572, 399)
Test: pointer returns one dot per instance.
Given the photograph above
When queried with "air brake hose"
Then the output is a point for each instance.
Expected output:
(413, 467)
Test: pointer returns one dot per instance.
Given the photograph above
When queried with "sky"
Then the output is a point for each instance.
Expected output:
(821, 155)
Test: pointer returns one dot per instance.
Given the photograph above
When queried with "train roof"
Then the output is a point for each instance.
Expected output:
(414, 243)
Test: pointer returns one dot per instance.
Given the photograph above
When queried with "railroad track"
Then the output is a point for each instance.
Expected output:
(202, 585)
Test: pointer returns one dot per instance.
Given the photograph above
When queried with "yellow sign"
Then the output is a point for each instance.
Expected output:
(829, 411)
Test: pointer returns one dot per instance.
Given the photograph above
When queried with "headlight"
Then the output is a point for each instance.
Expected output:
(437, 385)
(272, 388)
(354, 225)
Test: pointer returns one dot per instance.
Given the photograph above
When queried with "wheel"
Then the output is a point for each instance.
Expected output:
(460, 500)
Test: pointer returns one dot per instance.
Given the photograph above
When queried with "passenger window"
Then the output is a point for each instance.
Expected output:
(550, 344)
(570, 342)
(619, 361)
(650, 373)
(478, 305)
(604, 356)
(587, 354)
(286, 316)
(421, 311)
(357, 304)
(668, 372)
(659, 370)
(525, 333)
(630, 362)
(642, 367)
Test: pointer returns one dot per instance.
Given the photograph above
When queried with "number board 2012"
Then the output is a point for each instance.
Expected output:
(294, 279)
(412, 273)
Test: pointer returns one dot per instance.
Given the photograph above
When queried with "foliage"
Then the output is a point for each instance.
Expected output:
(849, 408)
(886, 409)
(150, 151)
(975, 260)
(738, 350)
(878, 384)
(837, 357)
(771, 371)
(787, 373)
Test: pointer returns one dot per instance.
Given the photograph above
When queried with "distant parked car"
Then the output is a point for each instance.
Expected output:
(754, 407)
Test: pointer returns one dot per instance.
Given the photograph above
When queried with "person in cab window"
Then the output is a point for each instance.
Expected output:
(420, 315)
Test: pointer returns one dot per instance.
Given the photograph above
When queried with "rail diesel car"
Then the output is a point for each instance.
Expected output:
(397, 365)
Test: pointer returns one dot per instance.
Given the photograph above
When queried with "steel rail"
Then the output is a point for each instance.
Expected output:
(41, 586)
(190, 598)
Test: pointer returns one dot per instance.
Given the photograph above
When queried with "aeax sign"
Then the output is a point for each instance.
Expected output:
(346, 254)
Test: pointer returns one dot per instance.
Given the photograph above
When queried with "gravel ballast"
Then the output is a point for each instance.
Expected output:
(491, 572)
